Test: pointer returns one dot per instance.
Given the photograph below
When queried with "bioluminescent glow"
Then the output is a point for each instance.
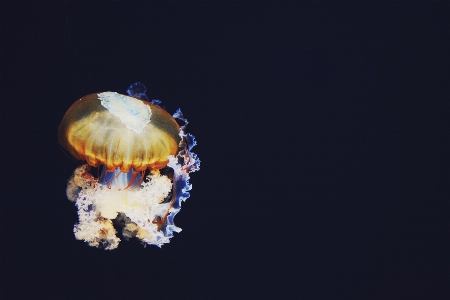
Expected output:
(144, 159)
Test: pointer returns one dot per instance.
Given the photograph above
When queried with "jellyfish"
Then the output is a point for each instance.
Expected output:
(142, 158)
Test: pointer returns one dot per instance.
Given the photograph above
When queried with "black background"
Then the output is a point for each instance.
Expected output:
(322, 129)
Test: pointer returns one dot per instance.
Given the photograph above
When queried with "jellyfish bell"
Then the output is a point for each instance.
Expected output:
(126, 136)
(119, 131)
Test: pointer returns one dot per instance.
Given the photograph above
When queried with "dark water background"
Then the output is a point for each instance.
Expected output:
(322, 129)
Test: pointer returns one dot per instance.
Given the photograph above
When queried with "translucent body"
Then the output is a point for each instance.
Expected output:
(126, 136)
(90, 132)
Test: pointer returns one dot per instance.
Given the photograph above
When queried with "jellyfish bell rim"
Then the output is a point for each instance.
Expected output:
(159, 139)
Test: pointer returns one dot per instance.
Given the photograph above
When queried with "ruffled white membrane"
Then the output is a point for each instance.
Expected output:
(99, 205)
